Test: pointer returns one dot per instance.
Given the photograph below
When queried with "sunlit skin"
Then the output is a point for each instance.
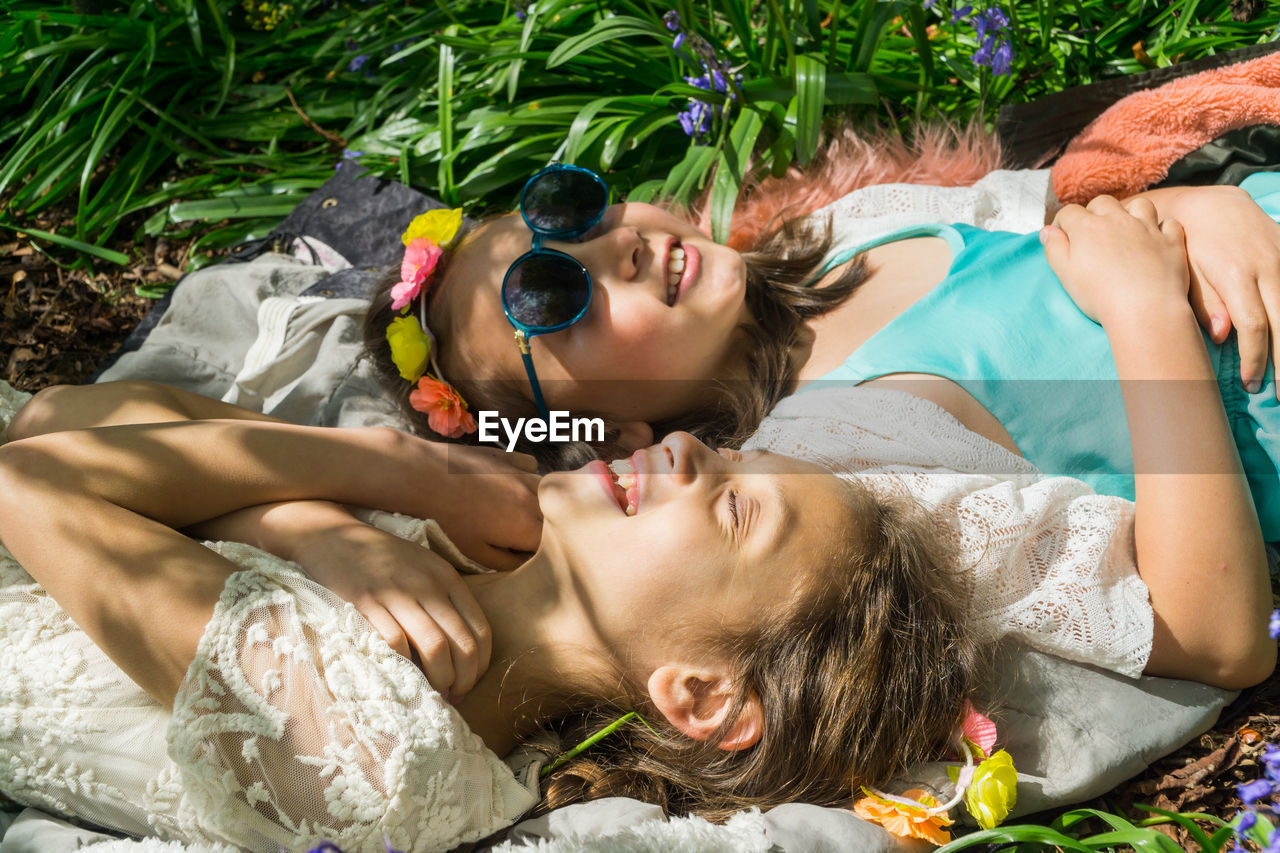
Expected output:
(609, 592)
(630, 332)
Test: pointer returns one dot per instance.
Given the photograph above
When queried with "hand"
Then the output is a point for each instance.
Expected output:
(1114, 260)
(485, 499)
(413, 598)
(1233, 247)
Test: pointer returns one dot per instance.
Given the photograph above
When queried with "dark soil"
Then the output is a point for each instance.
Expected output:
(58, 325)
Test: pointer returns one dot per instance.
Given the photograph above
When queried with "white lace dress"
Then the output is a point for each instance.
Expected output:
(1048, 561)
(295, 723)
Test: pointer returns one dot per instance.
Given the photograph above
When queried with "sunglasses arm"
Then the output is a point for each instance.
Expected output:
(522, 341)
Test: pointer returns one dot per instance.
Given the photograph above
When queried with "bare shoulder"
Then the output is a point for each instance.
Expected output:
(958, 402)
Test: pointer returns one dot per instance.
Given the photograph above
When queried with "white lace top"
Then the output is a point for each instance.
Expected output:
(1048, 561)
(1002, 201)
(295, 723)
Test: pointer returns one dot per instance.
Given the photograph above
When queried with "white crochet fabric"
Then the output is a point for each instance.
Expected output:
(1001, 201)
(1048, 561)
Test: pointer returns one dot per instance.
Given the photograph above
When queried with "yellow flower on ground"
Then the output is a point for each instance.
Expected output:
(903, 820)
(410, 347)
(439, 226)
(994, 790)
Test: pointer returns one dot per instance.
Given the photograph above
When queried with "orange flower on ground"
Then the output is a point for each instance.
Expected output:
(904, 820)
(446, 412)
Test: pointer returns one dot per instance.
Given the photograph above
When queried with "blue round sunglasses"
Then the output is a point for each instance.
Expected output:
(545, 290)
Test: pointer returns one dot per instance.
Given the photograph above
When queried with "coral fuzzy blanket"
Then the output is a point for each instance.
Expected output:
(1131, 146)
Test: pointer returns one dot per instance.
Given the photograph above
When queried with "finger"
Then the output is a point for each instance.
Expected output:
(388, 628)
(1250, 317)
(429, 641)
(1068, 216)
(1269, 287)
(469, 609)
(1104, 204)
(1056, 245)
(1211, 312)
(462, 646)
(1143, 209)
(524, 462)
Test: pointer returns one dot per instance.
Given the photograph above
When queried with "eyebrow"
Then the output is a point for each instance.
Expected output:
(780, 523)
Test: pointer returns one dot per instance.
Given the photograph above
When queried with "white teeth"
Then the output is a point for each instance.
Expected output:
(631, 509)
(673, 279)
(677, 253)
(676, 265)
(622, 466)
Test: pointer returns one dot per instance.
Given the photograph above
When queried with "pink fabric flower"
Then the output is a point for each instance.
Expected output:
(420, 259)
(978, 729)
(445, 410)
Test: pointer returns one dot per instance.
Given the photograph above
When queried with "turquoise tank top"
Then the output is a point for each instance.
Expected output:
(1002, 327)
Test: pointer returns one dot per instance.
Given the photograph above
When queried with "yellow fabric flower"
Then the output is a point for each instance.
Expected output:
(439, 226)
(903, 820)
(410, 347)
(994, 790)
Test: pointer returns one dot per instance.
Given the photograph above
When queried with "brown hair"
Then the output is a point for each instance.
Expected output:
(781, 294)
(863, 677)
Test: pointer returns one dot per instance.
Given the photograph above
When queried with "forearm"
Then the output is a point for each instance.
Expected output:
(66, 407)
(283, 529)
(1198, 541)
(181, 474)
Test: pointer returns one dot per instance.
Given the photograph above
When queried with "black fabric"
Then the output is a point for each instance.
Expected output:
(1230, 158)
(1032, 135)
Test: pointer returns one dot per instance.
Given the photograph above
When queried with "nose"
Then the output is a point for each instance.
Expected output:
(616, 254)
(690, 458)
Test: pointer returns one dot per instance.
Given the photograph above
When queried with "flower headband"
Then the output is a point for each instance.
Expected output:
(412, 345)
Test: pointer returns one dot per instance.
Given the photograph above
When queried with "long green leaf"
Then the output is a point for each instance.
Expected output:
(607, 30)
(731, 168)
(67, 242)
(811, 87)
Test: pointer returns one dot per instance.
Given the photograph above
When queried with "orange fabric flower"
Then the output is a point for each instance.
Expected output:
(445, 410)
(903, 820)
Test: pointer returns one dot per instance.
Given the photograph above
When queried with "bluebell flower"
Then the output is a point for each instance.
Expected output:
(358, 63)
(1002, 61)
(696, 120)
(672, 20)
(1251, 792)
(1273, 843)
(958, 14)
(1247, 820)
(1271, 761)
(702, 82)
(929, 4)
(1274, 627)
(520, 15)
(984, 55)
(678, 41)
(718, 81)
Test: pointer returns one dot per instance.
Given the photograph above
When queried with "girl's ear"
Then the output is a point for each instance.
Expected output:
(697, 701)
(634, 435)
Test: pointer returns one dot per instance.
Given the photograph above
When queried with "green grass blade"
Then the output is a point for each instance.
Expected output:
(605, 31)
(811, 86)
(69, 243)
(730, 170)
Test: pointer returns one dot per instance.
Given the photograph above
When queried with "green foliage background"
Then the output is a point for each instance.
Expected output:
(180, 111)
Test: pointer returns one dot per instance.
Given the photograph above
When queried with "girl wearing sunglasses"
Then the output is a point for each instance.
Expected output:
(740, 607)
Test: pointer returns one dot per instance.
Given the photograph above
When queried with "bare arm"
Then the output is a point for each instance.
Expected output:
(91, 516)
(1199, 545)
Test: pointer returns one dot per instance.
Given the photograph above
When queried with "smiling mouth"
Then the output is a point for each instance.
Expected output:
(623, 474)
(675, 270)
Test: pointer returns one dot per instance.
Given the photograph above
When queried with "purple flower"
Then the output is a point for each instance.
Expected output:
(696, 120)
(958, 14)
(520, 15)
(1247, 820)
(1271, 761)
(1273, 843)
(989, 20)
(984, 55)
(678, 41)
(718, 81)
(1002, 62)
(358, 63)
(1274, 627)
(1251, 792)
(672, 20)
(928, 4)
(703, 82)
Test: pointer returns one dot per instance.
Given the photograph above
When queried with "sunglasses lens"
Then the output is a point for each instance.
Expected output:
(563, 200)
(546, 290)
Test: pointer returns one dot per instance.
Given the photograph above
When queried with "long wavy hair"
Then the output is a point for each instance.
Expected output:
(860, 679)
